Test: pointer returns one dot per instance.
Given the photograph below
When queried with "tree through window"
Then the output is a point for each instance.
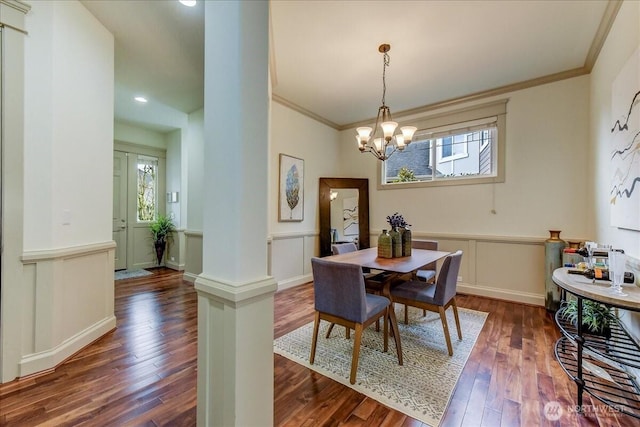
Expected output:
(147, 197)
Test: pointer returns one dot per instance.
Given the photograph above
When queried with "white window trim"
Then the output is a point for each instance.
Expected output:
(448, 120)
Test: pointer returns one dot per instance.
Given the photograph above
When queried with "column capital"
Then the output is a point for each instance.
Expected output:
(235, 293)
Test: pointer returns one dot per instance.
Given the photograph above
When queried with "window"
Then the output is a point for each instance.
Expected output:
(458, 148)
(147, 200)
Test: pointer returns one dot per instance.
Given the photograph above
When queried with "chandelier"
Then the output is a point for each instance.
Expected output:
(380, 144)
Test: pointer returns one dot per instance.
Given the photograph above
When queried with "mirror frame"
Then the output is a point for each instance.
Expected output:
(324, 202)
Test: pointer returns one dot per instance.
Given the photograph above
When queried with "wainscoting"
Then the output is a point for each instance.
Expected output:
(509, 268)
(68, 302)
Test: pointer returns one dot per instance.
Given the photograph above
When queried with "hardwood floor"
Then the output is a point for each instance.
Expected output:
(144, 372)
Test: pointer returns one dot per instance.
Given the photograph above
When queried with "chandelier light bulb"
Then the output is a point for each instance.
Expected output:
(378, 144)
(400, 142)
(388, 128)
(407, 132)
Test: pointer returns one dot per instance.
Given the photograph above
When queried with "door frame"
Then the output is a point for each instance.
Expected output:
(140, 253)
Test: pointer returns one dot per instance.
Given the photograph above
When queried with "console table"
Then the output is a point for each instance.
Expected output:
(599, 365)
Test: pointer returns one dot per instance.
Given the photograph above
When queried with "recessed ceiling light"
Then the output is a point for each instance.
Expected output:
(189, 3)
(141, 99)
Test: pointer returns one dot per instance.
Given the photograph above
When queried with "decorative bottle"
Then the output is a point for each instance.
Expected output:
(384, 245)
(553, 248)
(396, 242)
(406, 241)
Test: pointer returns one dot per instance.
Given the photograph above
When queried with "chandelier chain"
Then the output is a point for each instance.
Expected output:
(385, 64)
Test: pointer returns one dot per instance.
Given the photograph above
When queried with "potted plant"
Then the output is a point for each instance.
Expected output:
(596, 318)
(161, 230)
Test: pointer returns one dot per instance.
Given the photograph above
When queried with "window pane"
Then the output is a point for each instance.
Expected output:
(466, 152)
(147, 188)
(411, 164)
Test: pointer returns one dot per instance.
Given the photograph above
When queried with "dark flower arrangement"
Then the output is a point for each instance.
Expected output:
(396, 220)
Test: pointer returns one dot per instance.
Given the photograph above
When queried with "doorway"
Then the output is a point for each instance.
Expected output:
(138, 197)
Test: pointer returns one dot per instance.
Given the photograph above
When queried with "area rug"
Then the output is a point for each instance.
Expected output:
(421, 388)
(130, 274)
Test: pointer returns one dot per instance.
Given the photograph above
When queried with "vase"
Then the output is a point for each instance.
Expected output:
(553, 248)
(406, 241)
(385, 249)
(396, 242)
(160, 247)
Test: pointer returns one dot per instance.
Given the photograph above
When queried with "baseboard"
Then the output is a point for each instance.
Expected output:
(174, 265)
(189, 277)
(294, 281)
(36, 362)
(502, 294)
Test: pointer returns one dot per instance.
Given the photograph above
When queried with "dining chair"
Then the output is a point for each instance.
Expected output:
(340, 298)
(374, 280)
(343, 248)
(427, 273)
(436, 297)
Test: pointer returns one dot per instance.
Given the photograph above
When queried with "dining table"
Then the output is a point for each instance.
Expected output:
(392, 269)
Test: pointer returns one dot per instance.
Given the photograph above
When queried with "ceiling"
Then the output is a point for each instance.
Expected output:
(325, 58)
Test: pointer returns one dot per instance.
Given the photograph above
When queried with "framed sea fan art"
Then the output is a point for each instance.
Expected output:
(291, 189)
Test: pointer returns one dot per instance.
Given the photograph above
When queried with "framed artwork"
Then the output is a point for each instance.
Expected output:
(624, 193)
(291, 189)
(350, 216)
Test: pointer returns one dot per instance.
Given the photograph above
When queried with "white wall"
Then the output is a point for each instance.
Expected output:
(174, 174)
(137, 135)
(546, 152)
(65, 289)
(69, 114)
(193, 162)
(294, 243)
(622, 42)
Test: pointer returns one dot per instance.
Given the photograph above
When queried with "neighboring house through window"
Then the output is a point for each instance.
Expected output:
(462, 147)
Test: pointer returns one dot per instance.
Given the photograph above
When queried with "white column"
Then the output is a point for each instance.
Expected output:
(12, 127)
(235, 295)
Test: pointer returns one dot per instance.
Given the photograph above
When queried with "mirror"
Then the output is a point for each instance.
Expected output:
(349, 195)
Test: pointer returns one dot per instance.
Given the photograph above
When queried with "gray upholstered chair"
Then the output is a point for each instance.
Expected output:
(343, 248)
(428, 272)
(434, 297)
(340, 298)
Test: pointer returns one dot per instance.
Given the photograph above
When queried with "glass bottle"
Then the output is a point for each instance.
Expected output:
(384, 245)
(396, 242)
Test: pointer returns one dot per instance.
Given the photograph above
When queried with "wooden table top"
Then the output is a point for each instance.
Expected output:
(598, 291)
(369, 258)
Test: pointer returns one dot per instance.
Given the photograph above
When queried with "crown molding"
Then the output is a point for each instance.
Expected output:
(304, 111)
(17, 4)
(608, 19)
(480, 95)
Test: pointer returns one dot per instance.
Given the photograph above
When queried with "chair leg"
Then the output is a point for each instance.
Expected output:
(347, 332)
(396, 333)
(356, 353)
(443, 317)
(406, 314)
(386, 329)
(329, 330)
(314, 340)
(455, 314)
(424, 313)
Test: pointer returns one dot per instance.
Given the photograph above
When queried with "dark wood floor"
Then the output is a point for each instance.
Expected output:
(144, 372)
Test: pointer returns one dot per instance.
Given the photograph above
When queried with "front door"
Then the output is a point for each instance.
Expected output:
(120, 208)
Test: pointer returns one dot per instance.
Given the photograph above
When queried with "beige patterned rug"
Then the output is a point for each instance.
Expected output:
(421, 388)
